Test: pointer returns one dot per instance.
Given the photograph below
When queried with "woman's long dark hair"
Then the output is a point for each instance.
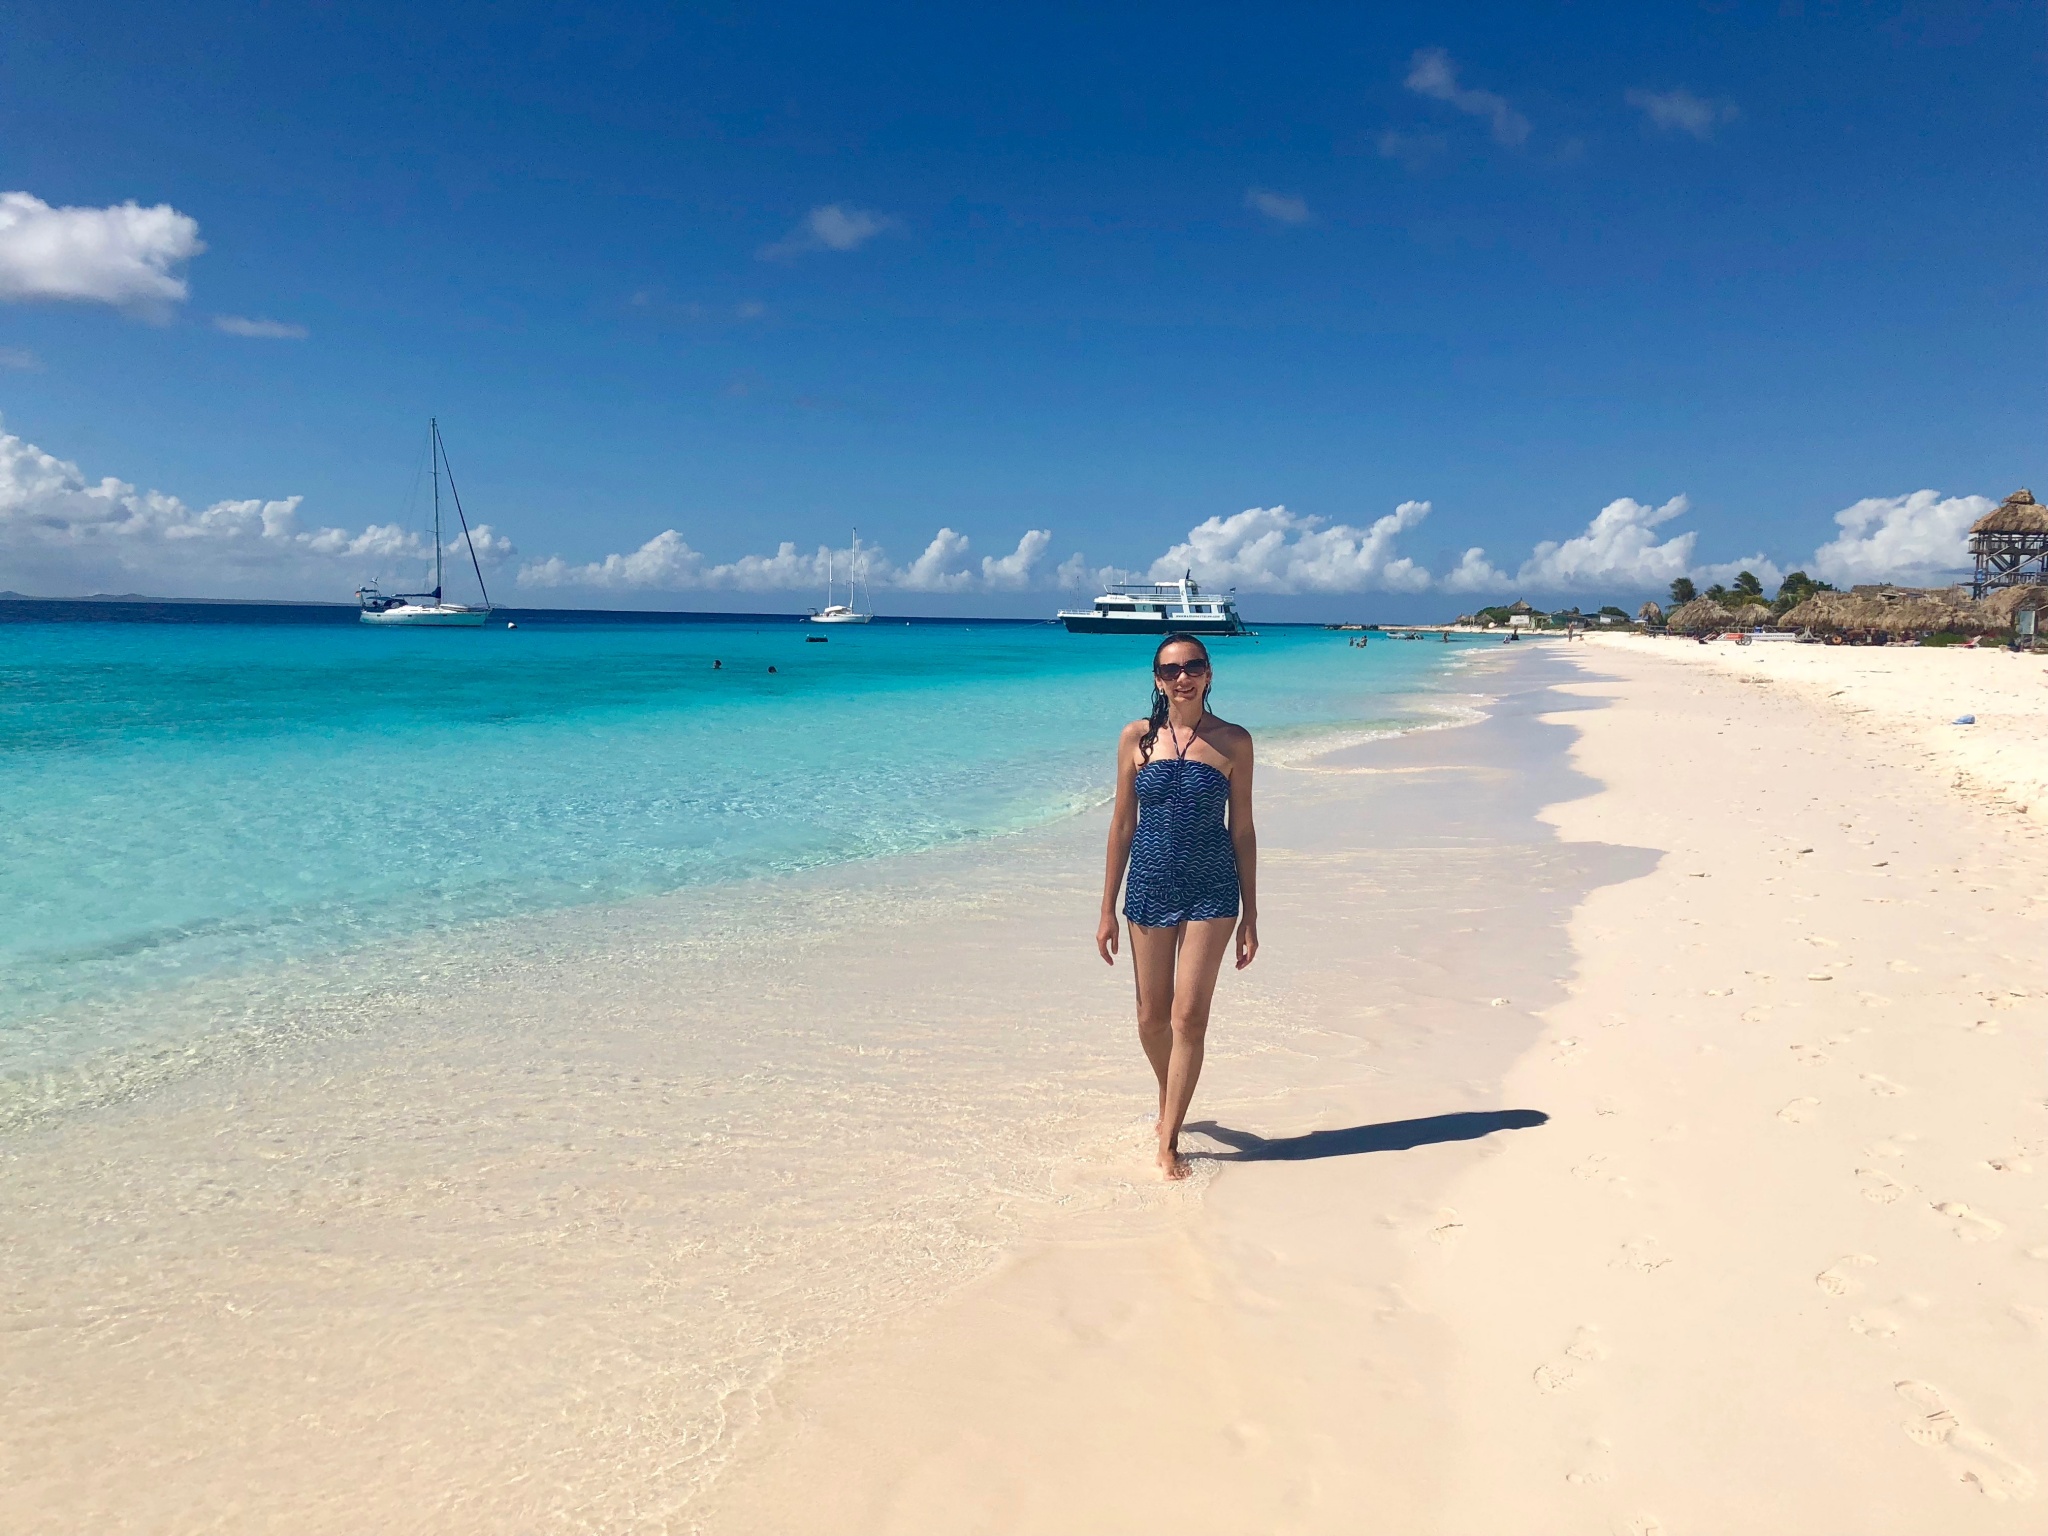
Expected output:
(1160, 705)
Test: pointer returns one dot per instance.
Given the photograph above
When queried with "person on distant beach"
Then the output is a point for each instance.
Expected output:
(1182, 828)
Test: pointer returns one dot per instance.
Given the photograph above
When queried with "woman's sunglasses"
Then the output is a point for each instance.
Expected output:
(1172, 671)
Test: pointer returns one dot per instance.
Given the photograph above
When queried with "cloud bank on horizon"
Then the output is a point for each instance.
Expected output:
(62, 533)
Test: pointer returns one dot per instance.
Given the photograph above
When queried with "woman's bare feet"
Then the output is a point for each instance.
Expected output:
(1172, 1166)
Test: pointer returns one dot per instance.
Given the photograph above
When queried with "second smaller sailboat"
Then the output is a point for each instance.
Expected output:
(846, 613)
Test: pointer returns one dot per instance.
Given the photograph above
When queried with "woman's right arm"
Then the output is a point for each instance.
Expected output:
(1123, 822)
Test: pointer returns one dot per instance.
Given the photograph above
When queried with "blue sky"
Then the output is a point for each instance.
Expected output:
(685, 286)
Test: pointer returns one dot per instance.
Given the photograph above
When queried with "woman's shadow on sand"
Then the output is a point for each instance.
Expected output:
(1388, 1136)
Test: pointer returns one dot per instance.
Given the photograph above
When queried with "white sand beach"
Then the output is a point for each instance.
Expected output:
(1636, 1122)
(1776, 1262)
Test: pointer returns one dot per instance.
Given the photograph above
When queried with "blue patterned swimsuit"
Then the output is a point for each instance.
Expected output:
(1183, 865)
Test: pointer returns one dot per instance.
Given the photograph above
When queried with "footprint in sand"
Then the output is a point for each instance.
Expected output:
(1639, 1525)
(1561, 1374)
(1973, 1457)
(1883, 1087)
(1594, 1171)
(1799, 1111)
(1836, 1280)
(1875, 1324)
(1640, 1254)
(1971, 1226)
(1879, 1187)
(1597, 1468)
(1809, 1055)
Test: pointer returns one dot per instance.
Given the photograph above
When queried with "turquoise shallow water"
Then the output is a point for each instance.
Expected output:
(182, 800)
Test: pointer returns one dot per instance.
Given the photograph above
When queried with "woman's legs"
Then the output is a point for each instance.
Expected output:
(1177, 976)
(1152, 955)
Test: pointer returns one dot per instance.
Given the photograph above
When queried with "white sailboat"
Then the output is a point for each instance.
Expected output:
(846, 613)
(427, 608)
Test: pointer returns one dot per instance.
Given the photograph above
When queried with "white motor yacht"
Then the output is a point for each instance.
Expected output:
(1157, 608)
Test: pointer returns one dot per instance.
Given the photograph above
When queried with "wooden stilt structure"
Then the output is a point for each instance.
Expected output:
(2010, 545)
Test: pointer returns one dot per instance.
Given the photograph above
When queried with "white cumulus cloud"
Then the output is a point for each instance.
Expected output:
(1270, 549)
(62, 533)
(784, 571)
(492, 547)
(1679, 111)
(1431, 73)
(1075, 574)
(666, 562)
(1619, 547)
(1013, 571)
(938, 568)
(1277, 206)
(1474, 573)
(833, 227)
(1924, 537)
(125, 255)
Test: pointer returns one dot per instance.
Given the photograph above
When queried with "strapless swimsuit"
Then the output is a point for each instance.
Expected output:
(1183, 866)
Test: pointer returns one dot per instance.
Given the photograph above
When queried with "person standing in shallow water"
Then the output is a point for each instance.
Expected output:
(1182, 828)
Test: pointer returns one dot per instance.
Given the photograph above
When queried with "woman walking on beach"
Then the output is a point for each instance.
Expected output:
(1183, 828)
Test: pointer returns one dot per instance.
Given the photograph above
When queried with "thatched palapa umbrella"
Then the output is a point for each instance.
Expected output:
(1650, 614)
(1893, 612)
(1998, 609)
(1701, 616)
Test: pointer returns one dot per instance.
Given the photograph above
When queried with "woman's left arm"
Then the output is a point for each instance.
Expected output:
(1244, 837)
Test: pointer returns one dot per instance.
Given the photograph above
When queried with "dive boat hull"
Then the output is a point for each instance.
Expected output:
(1150, 624)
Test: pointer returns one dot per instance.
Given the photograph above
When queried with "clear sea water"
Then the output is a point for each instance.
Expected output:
(195, 793)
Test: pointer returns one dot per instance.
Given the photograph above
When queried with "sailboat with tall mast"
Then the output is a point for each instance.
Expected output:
(846, 613)
(427, 608)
